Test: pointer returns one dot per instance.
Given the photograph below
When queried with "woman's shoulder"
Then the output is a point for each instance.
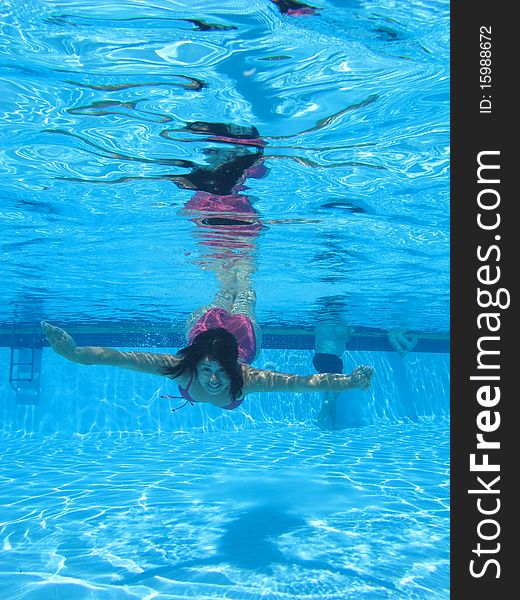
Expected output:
(183, 379)
(169, 368)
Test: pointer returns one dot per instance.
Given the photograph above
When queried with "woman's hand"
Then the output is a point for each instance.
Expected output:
(362, 377)
(60, 341)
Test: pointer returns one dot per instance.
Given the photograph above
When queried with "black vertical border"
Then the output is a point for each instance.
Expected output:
(472, 132)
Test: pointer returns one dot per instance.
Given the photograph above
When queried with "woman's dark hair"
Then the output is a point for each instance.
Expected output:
(217, 344)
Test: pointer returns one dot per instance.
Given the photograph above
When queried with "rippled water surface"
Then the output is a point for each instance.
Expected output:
(351, 101)
(285, 513)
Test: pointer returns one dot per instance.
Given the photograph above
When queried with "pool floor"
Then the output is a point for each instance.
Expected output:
(273, 512)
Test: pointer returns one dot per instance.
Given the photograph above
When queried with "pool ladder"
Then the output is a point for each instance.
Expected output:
(25, 367)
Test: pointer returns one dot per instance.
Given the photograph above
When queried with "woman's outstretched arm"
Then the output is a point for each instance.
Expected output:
(145, 362)
(258, 380)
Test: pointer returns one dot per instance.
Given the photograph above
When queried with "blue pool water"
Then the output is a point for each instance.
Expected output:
(107, 494)
(104, 492)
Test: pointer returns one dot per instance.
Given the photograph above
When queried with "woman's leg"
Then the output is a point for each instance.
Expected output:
(330, 337)
(235, 295)
(245, 304)
(224, 298)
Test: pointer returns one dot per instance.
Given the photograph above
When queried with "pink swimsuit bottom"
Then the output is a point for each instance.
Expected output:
(239, 325)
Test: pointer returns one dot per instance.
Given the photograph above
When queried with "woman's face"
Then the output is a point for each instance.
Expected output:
(212, 376)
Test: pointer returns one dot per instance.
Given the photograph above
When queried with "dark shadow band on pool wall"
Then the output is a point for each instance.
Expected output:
(149, 335)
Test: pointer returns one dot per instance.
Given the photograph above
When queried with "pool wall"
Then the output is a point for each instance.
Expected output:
(77, 399)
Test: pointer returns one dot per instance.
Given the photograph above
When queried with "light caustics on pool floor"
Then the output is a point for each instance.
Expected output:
(285, 512)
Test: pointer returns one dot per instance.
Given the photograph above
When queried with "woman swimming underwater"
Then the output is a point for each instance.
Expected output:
(214, 367)
(223, 337)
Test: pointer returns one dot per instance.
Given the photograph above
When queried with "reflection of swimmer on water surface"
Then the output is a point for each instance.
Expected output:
(224, 172)
(227, 221)
(227, 224)
(226, 168)
(225, 216)
(294, 9)
(227, 132)
(237, 152)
